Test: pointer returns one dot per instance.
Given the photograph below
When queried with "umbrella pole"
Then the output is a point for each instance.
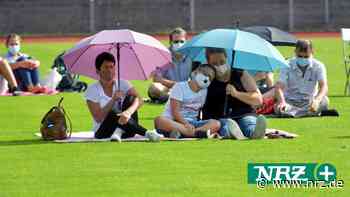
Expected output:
(118, 67)
(226, 96)
(118, 64)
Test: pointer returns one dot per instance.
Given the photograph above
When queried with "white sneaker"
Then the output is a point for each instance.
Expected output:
(235, 131)
(117, 135)
(213, 135)
(153, 136)
(260, 128)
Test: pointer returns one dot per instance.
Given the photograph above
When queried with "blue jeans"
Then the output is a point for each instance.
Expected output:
(198, 123)
(26, 77)
(195, 123)
(246, 124)
(224, 130)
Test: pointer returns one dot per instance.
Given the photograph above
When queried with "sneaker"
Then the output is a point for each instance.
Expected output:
(235, 131)
(213, 135)
(117, 135)
(153, 136)
(260, 128)
(15, 91)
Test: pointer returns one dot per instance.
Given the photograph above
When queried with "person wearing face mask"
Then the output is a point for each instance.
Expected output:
(231, 98)
(179, 70)
(264, 80)
(181, 115)
(25, 68)
(302, 87)
(113, 104)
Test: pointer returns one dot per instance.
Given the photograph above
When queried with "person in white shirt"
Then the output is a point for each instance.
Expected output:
(114, 106)
(181, 115)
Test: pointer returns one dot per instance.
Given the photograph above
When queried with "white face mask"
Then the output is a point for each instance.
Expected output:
(14, 49)
(176, 46)
(303, 62)
(222, 69)
(202, 80)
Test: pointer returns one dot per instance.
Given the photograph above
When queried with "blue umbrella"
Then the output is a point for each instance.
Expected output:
(250, 51)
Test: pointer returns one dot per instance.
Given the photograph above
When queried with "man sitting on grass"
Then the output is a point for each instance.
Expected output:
(179, 70)
(180, 118)
(302, 88)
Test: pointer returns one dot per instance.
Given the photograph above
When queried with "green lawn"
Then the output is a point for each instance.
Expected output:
(30, 167)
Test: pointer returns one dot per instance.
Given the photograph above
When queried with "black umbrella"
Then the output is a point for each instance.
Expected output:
(273, 35)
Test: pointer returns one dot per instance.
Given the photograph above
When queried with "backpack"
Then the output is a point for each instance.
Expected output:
(69, 82)
(54, 124)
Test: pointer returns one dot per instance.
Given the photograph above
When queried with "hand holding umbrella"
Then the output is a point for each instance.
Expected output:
(231, 90)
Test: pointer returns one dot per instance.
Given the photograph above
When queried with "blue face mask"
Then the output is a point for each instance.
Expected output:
(303, 61)
(14, 49)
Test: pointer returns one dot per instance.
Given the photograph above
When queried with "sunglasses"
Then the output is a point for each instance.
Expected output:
(303, 56)
(178, 41)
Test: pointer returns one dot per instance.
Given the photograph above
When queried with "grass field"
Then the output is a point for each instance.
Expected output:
(30, 167)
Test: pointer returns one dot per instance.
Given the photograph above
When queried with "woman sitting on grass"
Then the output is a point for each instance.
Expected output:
(180, 118)
(114, 106)
(25, 68)
(230, 99)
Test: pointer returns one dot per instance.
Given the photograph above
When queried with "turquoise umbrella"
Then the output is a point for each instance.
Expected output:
(248, 51)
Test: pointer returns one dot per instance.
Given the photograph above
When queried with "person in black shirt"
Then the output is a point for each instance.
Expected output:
(230, 99)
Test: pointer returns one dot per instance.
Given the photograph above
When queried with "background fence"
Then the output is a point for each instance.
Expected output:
(86, 16)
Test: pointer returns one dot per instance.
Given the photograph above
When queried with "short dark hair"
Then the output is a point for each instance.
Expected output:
(12, 36)
(195, 65)
(212, 50)
(303, 45)
(105, 56)
(177, 30)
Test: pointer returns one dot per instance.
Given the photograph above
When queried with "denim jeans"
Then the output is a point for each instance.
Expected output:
(224, 129)
(247, 125)
(195, 123)
(26, 77)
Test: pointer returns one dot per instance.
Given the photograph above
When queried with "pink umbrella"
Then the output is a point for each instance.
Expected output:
(137, 54)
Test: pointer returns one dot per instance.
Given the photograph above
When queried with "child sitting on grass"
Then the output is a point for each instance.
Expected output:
(25, 68)
(180, 118)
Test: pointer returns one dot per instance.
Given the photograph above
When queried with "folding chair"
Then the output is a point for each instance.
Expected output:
(345, 33)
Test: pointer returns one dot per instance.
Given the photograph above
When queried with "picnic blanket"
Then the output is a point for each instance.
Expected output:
(88, 136)
(329, 112)
(51, 92)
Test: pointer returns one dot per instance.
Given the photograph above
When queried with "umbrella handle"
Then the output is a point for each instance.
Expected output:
(118, 64)
(225, 106)
(226, 97)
